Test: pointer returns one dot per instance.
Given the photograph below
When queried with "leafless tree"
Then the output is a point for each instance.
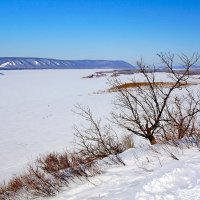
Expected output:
(141, 110)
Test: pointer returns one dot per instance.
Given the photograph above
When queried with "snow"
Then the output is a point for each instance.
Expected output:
(36, 62)
(36, 112)
(4, 64)
(159, 178)
(36, 118)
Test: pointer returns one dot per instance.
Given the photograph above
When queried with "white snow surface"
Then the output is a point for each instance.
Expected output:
(36, 118)
(36, 112)
(147, 176)
(5, 64)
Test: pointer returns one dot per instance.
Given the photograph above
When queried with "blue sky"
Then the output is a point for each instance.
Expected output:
(99, 29)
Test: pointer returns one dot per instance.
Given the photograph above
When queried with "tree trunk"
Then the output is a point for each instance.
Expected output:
(152, 139)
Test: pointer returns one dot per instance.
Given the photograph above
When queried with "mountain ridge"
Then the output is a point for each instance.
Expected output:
(9, 63)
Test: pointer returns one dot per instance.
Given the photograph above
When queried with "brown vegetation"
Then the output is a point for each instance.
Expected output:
(146, 84)
(48, 175)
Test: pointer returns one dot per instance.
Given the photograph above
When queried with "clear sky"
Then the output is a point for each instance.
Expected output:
(98, 29)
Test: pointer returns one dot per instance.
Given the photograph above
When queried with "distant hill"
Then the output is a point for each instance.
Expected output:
(11, 63)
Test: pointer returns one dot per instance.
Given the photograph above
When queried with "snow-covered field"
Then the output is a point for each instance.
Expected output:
(36, 112)
(36, 117)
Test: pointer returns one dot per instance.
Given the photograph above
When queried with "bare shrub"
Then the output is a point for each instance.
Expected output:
(4, 193)
(15, 185)
(54, 162)
(12, 189)
(39, 184)
(67, 166)
(96, 141)
(48, 175)
(181, 119)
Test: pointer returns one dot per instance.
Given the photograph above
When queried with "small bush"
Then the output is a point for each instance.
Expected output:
(54, 162)
(39, 184)
(48, 175)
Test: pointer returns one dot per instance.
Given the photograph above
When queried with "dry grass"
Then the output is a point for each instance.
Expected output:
(146, 84)
(50, 173)
(47, 176)
(127, 141)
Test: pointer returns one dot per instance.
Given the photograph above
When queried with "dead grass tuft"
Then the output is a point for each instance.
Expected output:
(127, 141)
(146, 84)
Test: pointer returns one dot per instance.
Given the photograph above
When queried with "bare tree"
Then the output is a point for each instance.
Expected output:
(141, 109)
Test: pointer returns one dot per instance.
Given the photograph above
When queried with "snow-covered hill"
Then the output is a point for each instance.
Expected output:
(45, 63)
(149, 174)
